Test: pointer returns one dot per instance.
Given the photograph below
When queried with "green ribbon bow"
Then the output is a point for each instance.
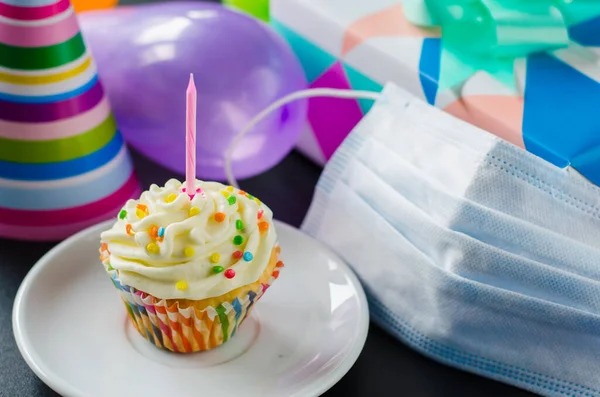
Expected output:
(257, 8)
(490, 35)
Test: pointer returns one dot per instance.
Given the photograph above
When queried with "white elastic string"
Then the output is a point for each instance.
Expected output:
(308, 93)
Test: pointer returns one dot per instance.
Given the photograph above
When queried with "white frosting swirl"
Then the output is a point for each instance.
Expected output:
(181, 263)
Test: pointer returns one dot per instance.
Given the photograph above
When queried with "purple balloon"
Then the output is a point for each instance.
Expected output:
(145, 55)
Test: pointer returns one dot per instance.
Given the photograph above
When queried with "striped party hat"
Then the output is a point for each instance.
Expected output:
(63, 163)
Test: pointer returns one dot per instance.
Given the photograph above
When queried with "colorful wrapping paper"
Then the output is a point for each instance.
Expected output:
(364, 44)
(63, 163)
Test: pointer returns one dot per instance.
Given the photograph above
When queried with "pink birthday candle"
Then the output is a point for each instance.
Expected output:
(190, 138)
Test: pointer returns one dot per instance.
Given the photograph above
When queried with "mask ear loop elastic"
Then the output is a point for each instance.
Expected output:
(309, 93)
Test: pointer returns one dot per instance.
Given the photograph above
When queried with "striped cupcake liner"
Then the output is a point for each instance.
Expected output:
(189, 329)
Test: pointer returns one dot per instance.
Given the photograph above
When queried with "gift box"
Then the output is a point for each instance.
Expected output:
(549, 109)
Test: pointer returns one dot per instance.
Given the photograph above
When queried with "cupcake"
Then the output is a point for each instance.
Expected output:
(190, 269)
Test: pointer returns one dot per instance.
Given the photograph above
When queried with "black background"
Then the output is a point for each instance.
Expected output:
(385, 367)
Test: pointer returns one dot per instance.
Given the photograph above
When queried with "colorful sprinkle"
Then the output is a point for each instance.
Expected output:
(229, 188)
(122, 214)
(194, 211)
(154, 231)
(248, 256)
(257, 201)
(225, 194)
(243, 193)
(263, 226)
(231, 200)
(181, 285)
(276, 274)
(279, 264)
(215, 258)
(260, 214)
(219, 216)
(141, 210)
(128, 229)
(161, 232)
(251, 197)
(238, 240)
(217, 269)
(160, 239)
(198, 190)
(237, 254)
(152, 248)
(239, 225)
(230, 273)
(170, 198)
(188, 251)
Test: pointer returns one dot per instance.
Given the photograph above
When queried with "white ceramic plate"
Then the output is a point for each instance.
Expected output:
(302, 337)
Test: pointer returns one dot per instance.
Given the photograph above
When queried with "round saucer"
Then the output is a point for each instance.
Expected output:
(302, 337)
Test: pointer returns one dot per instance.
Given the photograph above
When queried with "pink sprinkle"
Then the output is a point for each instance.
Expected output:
(191, 196)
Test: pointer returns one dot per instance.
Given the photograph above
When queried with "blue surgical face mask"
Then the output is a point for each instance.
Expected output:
(472, 251)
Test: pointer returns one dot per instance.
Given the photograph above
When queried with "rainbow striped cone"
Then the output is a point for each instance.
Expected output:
(63, 163)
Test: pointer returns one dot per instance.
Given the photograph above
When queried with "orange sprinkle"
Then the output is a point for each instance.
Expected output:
(142, 207)
(243, 193)
(154, 231)
(159, 239)
(278, 249)
(279, 264)
(219, 216)
(128, 229)
(276, 274)
(263, 226)
(104, 253)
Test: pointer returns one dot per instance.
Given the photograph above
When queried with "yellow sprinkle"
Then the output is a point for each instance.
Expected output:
(181, 285)
(153, 248)
(170, 198)
(257, 201)
(194, 211)
(140, 214)
(215, 258)
(225, 194)
(188, 251)
(230, 188)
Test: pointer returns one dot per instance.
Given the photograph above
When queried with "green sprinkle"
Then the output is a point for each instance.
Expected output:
(237, 240)
(122, 214)
(251, 197)
(231, 200)
(217, 269)
(239, 225)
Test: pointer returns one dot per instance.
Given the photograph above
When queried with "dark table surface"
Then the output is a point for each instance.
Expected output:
(385, 367)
